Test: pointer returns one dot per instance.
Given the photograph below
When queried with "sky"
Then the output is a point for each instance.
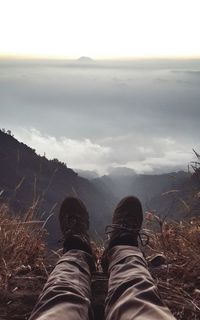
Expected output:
(142, 115)
(100, 29)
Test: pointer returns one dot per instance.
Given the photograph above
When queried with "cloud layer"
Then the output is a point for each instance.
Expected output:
(164, 154)
(142, 115)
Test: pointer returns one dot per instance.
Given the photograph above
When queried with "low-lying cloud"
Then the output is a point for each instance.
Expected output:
(81, 154)
(154, 155)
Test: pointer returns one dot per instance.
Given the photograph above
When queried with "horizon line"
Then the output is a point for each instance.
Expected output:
(97, 58)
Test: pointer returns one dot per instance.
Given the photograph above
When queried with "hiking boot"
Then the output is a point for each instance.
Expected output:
(126, 224)
(74, 224)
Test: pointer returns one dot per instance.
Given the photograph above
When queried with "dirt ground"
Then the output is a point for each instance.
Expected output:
(19, 298)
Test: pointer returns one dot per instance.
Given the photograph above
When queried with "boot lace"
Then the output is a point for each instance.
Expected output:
(112, 228)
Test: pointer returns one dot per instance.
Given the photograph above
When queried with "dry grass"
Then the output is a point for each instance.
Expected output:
(21, 244)
(179, 279)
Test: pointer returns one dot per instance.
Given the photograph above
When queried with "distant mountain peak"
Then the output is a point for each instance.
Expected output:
(85, 59)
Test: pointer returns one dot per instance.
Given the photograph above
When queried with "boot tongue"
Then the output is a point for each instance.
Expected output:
(123, 239)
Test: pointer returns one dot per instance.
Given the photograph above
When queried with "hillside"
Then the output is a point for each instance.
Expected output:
(29, 180)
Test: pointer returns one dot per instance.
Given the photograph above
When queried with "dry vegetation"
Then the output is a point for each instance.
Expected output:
(21, 244)
(23, 263)
(178, 278)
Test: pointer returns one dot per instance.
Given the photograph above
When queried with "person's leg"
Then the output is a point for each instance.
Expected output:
(132, 293)
(67, 292)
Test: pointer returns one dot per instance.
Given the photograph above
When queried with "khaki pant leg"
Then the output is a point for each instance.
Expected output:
(132, 293)
(67, 293)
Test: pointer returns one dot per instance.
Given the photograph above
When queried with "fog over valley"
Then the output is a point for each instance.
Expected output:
(98, 115)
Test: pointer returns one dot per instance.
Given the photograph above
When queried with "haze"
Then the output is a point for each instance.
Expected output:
(92, 115)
